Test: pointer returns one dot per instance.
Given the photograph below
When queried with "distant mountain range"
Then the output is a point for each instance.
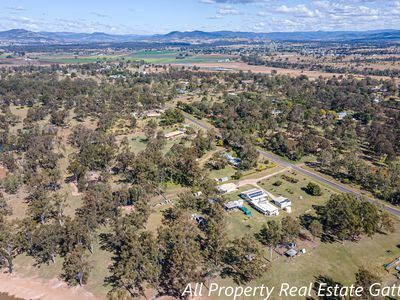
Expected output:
(22, 36)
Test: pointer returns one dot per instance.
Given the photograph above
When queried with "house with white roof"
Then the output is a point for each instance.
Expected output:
(282, 202)
(258, 199)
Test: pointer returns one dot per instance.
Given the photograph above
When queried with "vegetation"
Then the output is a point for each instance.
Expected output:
(79, 182)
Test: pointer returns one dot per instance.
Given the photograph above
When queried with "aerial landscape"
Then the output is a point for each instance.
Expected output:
(200, 149)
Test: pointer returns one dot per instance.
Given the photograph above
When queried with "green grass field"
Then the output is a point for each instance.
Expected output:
(170, 57)
(337, 260)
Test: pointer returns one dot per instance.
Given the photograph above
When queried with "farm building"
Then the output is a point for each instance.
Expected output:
(174, 134)
(153, 113)
(254, 194)
(199, 219)
(234, 161)
(291, 253)
(282, 202)
(341, 115)
(233, 204)
(265, 207)
(258, 199)
(227, 188)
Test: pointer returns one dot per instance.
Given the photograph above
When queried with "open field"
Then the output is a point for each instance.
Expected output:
(339, 261)
(170, 57)
(153, 57)
(241, 66)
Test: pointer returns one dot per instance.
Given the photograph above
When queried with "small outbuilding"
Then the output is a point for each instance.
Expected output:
(291, 253)
(233, 204)
(245, 211)
(227, 188)
(174, 134)
(282, 202)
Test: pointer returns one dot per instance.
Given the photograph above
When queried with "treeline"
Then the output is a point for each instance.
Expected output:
(259, 61)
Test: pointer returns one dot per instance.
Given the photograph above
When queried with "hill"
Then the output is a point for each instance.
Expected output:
(22, 36)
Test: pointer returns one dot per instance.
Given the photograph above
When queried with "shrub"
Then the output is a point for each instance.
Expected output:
(11, 183)
(313, 189)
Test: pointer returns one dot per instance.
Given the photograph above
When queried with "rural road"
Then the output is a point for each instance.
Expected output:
(276, 159)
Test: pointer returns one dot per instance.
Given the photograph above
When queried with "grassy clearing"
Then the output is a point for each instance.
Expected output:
(100, 262)
(170, 57)
(337, 260)
(301, 201)
(239, 224)
(69, 59)
(226, 172)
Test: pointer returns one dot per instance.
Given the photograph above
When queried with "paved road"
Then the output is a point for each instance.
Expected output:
(311, 174)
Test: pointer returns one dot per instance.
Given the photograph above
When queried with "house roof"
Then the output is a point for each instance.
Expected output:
(227, 187)
(173, 134)
(291, 252)
(281, 200)
(234, 204)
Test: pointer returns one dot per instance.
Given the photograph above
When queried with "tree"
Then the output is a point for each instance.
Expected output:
(46, 242)
(245, 260)
(270, 235)
(124, 159)
(290, 229)
(181, 257)
(313, 189)
(76, 266)
(386, 222)
(364, 279)
(40, 206)
(346, 217)
(217, 162)
(11, 183)
(136, 262)
(215, 238)
(171, 117)
(5, 209)
(249, 156)
(8, 244)
(316, 228)
(59, 205)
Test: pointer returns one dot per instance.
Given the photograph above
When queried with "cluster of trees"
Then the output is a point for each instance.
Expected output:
(345, 217)
(171, 117)
(384, 182)
(273, 233)
(301, 118)
(315, 66)
(182, 251)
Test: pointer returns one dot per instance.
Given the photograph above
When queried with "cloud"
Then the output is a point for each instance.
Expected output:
(262, 14)
(62, 24)
(16, 8)
(299, 10)
(216, 17)
(100, 15)
(228, 10)
(230, 1)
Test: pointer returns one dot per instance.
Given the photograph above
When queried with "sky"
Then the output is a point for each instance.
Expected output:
(162, 16)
